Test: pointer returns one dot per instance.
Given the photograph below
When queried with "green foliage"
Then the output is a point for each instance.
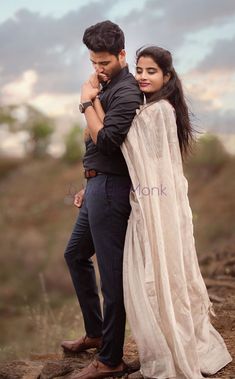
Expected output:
(41, 130)
(74, 145)
(5, 117)
(40, 133)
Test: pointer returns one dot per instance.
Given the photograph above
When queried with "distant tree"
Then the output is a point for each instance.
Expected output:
(210, 155)
(6, 118)
(74, 145)
(40, 132)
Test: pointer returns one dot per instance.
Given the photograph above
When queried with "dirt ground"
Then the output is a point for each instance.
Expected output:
(218, 269)
(219, 273)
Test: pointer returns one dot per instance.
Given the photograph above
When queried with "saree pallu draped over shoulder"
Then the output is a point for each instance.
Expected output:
(166, 299)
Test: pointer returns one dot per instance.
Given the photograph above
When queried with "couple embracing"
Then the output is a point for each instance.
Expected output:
(138, 133)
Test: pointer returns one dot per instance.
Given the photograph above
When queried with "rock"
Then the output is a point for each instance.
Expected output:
(57, 366)
(20, 370)
(52, 369)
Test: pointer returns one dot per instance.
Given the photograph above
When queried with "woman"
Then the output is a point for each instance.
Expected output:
(166, 299)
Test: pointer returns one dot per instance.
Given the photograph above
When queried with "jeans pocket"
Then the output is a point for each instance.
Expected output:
(108, 188)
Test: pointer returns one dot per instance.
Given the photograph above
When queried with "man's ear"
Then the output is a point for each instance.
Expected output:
(122, 55)
(166, 77)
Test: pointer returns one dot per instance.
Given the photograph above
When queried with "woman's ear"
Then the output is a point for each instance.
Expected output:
(166, 77)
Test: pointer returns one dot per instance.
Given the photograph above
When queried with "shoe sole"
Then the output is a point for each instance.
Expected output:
(117, 374)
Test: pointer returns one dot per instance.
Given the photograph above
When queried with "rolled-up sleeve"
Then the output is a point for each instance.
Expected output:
(118, 120)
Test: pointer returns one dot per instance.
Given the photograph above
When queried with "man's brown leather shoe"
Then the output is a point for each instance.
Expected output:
(82, 344)
(98, 370)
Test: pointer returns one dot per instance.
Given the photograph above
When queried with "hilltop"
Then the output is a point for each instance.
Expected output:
(38, 306)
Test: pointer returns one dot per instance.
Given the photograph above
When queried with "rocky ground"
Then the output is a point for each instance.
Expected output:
(218, 271)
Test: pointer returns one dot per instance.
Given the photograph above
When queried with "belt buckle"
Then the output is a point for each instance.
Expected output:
(90, 173)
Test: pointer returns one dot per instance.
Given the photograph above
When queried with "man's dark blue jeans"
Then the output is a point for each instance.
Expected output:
(100, 229)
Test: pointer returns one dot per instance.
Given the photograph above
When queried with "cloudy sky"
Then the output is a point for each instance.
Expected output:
(43, 61)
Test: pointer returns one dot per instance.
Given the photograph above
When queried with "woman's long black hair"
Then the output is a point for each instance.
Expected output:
(173, 92)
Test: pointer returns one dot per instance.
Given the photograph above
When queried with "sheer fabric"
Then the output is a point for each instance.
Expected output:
(166, 300)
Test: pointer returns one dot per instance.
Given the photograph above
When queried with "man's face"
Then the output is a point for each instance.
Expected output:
(106, 65)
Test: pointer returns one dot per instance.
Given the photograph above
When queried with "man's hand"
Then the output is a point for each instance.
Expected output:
(103, 78)
(78, 198)
(94, 81)
(88, 92)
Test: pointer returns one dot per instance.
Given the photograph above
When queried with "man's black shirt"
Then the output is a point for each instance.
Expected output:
(119, 98)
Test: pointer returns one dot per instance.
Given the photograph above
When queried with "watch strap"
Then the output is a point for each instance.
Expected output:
(87, 104)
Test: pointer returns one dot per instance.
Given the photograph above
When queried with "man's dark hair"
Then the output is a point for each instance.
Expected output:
(104, 36)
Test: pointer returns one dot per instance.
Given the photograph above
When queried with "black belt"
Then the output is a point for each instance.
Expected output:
(92, 173)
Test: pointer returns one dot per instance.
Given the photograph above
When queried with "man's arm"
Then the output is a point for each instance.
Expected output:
(95, 81)
(99, 109)
(118, 119)
(109, 130)
(94, 123)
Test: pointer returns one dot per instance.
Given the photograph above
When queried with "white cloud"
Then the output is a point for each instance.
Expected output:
(215, 88)
(57, 104)
(21, 89)
(54, 51)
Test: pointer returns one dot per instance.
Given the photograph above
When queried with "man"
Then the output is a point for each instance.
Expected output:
(102, 221)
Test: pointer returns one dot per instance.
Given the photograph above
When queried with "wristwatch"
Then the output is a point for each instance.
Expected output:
(85, 105)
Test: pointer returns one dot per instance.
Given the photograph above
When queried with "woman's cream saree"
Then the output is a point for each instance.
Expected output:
(166, 299)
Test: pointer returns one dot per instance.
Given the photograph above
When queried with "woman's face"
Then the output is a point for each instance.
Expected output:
(149, 75)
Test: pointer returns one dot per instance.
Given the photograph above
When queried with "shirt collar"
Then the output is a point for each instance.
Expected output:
(122, 73)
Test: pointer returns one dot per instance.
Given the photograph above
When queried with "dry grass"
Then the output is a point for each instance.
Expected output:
(41, 328)
(38, 306)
